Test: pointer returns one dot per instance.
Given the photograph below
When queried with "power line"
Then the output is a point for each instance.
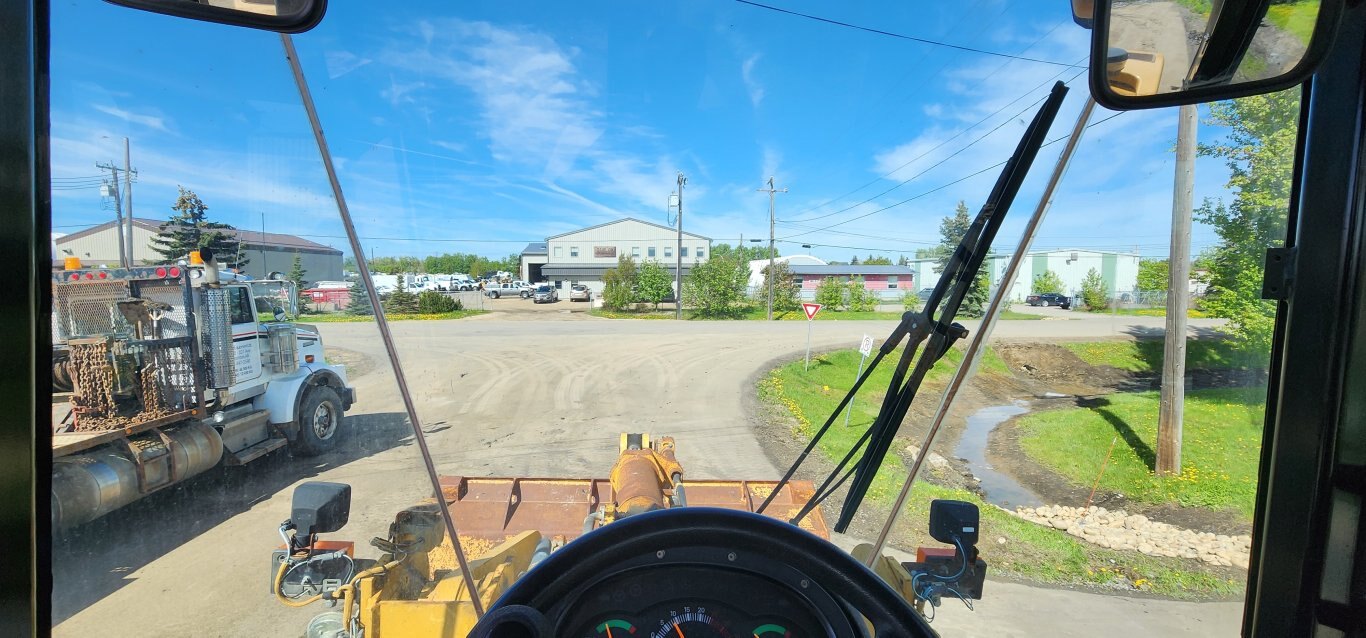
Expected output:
(943, 186)
(936, 147)
(903, 36)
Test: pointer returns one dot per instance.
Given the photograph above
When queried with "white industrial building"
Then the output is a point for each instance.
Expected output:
(583, 256)
(1118, 270)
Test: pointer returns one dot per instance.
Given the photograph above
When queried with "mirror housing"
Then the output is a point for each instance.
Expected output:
(950, 519)
(319, 507)
(282, 16)
(1230, 59)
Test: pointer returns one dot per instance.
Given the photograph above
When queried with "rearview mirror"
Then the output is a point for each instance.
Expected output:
(320, 507)
(1154, 53)
(284, 16)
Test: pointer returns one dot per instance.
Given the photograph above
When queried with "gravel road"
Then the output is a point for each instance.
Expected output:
(536, 396)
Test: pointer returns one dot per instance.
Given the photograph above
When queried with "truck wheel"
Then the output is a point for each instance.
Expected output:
(61, 372)
(319, 419)
(495, 294)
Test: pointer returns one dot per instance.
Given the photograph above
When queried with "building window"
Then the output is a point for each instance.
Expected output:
(701, 253)
(559, 251)
(573, 251)
(635, 251)
(683, 251)
(650, 251)
(891, 282)
(668, 251)
(798, 282)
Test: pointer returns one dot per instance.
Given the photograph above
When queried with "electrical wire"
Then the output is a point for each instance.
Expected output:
(931, 150)
(938, 188)
(903, 36)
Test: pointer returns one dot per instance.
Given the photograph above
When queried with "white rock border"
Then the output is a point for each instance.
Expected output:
(1120, 530)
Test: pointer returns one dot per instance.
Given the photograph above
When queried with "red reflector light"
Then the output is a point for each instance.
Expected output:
(175, 271)
(75, 276)
(104, 275)
(89, 276)
(161, 272)
(308, 358)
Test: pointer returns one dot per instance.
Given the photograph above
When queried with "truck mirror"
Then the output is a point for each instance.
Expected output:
(284, 16)
(280, 314)
(320, 507)
(950, 519)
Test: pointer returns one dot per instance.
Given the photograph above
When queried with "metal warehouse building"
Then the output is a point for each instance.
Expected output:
(267, 252)
(1118, 270)
(583, 256)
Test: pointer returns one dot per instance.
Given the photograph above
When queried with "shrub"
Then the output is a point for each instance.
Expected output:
(1094, 293)
(431, 302)
(830, 294)
(859, 299)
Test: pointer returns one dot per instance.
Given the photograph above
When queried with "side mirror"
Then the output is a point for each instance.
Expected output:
(319, 507)
(279, 314)
(284, 16)
(950, 519)
(1157, 53)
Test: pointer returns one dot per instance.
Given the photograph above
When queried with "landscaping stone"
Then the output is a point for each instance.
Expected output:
(1120, 530)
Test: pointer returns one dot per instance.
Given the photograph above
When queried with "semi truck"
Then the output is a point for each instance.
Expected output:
(171, 370)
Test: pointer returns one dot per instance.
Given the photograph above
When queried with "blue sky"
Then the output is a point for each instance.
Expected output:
(480, 126)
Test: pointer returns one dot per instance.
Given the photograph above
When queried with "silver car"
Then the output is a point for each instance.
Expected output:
(580, 292)
(545, 294)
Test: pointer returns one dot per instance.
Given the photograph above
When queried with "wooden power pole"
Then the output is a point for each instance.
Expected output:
(771, 192)
(1173, 395)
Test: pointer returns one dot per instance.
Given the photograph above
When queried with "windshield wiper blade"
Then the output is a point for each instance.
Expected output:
(917, 327)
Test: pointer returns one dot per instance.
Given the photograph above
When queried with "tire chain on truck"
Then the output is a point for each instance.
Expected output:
(94, 390)
(94, 384)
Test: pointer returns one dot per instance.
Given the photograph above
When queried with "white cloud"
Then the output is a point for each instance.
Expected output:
(340, 63)
(399, 93)
(756, 90)
(150, 121)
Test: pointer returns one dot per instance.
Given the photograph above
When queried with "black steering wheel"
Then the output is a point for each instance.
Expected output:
(520, 611)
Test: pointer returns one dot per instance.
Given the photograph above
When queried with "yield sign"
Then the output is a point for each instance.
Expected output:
(811, 309)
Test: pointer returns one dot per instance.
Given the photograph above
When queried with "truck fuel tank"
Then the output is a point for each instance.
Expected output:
(89, 485)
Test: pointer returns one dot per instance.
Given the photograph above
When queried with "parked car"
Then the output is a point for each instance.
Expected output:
(1050, 299)
(925, 293)
(496, 291)
(545, 294)
(580, 292)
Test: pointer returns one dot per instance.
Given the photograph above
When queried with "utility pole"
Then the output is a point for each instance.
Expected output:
(678, 252)
(128, 201)
(113, 185)
(771, 192)
(1173, 394)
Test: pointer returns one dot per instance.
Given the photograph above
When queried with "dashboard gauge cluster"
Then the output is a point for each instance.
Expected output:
(702, 593)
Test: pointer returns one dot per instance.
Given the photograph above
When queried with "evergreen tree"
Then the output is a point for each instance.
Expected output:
(360, 302)
(296, 275)
(189, 229)
(951, 230)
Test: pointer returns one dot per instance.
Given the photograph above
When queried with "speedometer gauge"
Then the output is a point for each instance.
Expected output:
(690, 622)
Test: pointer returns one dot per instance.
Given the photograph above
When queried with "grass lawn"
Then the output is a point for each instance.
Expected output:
(1296, 19)
(761, 314)
(1030, 551)
(1221, 442)
(341, 317)
(1145, 355)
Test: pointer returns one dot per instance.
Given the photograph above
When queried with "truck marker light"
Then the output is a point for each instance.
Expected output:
(104, 275)
(308, 358)
(175, 272)
(161, 272)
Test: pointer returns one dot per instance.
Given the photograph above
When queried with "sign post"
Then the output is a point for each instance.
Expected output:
(810, 309)
(865, 348)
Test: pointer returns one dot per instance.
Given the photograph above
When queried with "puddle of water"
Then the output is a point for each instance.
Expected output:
(972, 446)
(1055, 395)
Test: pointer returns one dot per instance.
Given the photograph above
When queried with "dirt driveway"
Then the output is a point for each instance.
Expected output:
(497, 396)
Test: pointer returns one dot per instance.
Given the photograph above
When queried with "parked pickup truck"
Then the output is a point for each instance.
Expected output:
(508, 290)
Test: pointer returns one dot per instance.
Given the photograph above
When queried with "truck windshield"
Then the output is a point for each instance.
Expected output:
(757, 159)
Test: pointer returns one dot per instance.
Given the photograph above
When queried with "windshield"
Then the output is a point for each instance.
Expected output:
(763, 161)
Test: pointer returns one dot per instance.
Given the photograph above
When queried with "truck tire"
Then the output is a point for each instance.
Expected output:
(319, 419)
(494, 294)
(61, 372)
